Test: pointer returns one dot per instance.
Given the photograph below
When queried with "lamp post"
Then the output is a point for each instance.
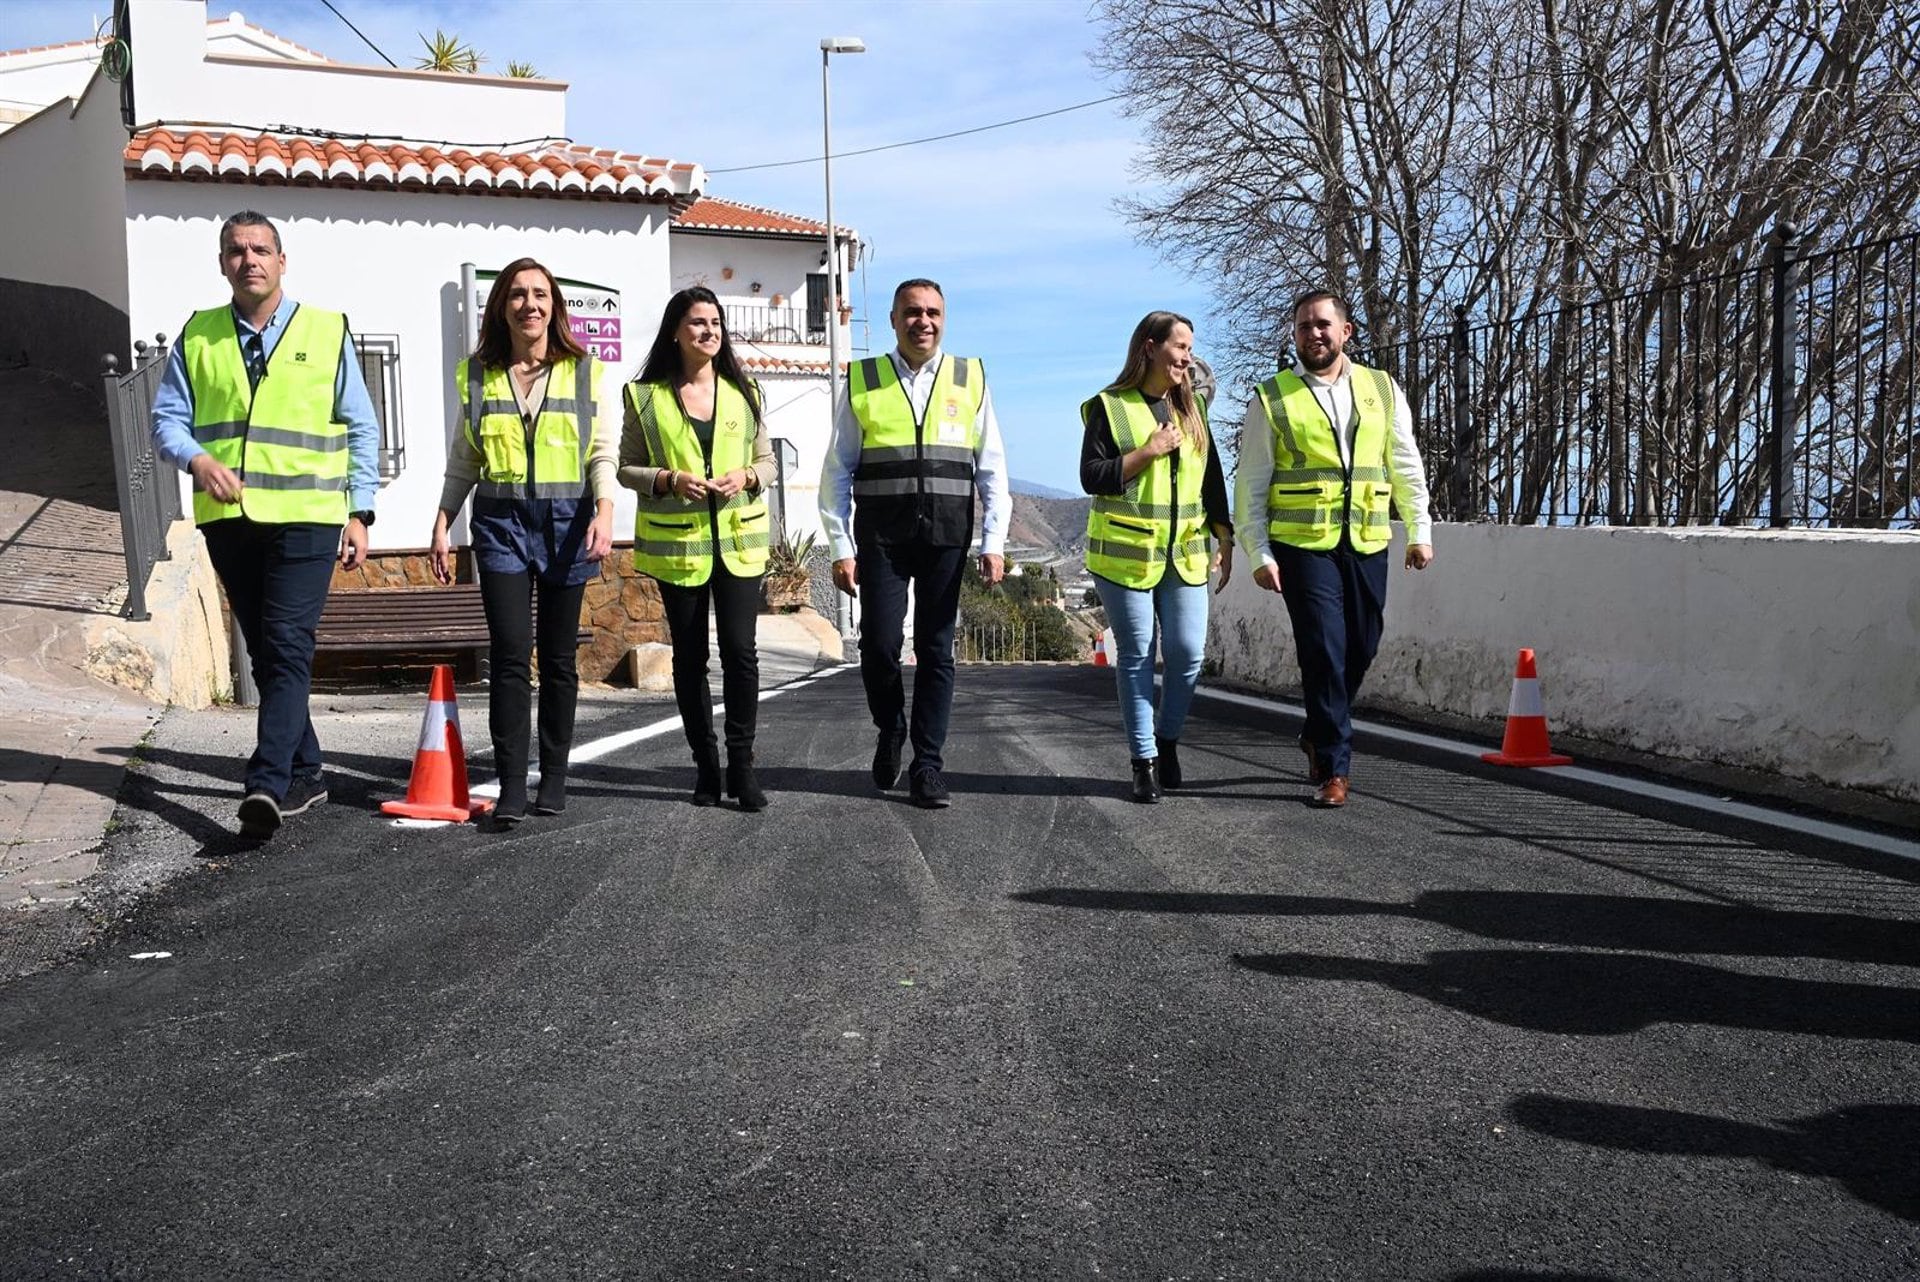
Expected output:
(828, 47)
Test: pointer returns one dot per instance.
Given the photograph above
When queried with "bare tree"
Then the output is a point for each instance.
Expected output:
(1558, 168)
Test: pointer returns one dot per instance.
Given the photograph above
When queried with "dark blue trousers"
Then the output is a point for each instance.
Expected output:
(276, 579)
(1337, 601)
(885, 572)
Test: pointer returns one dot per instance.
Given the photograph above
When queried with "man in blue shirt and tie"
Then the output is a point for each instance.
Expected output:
(264, 404)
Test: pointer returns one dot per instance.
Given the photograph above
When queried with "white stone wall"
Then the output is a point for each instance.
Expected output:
(1793, 652)
(391, 261)
(61, 200)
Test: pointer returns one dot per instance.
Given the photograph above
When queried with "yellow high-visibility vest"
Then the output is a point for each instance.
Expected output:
(673, 542)
(1314, 494)
(1159, 518)
(915, 476)
(280, 437)
(562, 436)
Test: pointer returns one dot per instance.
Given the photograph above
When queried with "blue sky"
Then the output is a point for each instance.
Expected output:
(1043, 277)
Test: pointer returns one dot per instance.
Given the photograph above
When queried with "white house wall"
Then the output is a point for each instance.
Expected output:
(176, 78)
(61, 198)
(391, 261)
(780, 266)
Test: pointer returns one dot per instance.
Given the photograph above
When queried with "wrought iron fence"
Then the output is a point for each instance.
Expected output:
(996, 642)
(1783, 395)
(149, 489)
(755, 322)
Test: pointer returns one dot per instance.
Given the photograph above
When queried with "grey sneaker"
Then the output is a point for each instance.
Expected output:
(259, 816)
(303, 795)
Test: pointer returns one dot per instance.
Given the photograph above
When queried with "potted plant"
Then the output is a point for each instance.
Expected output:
(788, 585)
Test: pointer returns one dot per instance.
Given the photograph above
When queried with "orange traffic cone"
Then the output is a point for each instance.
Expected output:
(1100, 657)
(438, 788)
(1526, 739)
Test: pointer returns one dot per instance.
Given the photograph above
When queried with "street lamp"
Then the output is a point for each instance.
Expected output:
(828, 47)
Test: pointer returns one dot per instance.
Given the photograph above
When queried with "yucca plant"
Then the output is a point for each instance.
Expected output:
(448, 53)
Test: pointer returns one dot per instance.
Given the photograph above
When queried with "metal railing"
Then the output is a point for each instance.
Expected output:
(1017, 642)
(149, 489)
(1785, 394)
(755, 322)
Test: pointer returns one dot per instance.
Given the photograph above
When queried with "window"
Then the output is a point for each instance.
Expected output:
(380, 364)
(817, 304)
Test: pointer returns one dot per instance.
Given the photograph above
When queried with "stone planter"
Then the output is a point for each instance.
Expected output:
(785, 595)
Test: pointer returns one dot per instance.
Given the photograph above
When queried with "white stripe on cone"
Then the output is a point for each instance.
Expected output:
(433, 726)
(1525, 700)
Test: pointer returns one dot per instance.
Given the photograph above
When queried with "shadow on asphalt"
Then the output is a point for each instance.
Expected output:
(1566, 920)
(1603, 994)
(1867, 1148)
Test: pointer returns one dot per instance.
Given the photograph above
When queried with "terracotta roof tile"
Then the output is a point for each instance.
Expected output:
(711, 214)
(776, 365)
(560, 168)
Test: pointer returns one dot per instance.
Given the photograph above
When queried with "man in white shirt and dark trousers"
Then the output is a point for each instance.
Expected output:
(1324, 447)
(912, 442)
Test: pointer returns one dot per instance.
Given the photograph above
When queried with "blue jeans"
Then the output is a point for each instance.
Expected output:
(276, 578)
(1176, 612)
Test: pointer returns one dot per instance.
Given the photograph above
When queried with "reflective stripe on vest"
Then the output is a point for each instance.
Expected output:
(673, 542)
(1314, 495)
(1131, 535)
(281, 437)
(901, 455)
(562, 435)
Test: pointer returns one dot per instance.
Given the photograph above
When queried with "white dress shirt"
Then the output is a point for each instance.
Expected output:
(843, 456)
(1405, 473)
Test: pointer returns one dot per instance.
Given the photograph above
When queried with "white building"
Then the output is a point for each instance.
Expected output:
(769, 271)
(111, 203)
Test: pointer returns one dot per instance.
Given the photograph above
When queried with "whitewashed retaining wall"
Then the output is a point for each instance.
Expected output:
(1793, 652)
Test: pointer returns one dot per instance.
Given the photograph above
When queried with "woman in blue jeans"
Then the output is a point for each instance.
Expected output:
(1159, 524)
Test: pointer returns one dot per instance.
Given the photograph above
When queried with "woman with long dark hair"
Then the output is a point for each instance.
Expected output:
(540, 455)
(1158, 495)
(694, 447)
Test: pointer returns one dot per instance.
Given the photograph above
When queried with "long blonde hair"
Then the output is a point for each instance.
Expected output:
(1156, 327)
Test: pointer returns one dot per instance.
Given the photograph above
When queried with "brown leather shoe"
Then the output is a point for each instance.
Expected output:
(1315, 774)
(1331, 794)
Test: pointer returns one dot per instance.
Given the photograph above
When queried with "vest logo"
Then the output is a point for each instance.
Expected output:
(731, 427)
(1368, 401)
(952, 409)
(300, 358)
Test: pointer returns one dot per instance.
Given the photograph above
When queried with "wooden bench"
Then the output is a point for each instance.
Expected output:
(412, 620)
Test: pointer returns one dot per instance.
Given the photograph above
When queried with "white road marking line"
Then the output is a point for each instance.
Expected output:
(1824, 829)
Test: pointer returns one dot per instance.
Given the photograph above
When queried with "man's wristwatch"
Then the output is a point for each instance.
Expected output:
(365, 518)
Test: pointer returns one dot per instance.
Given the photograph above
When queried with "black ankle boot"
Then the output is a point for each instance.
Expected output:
(1168, 766)
(741, 785)
(1146, 787)
(551, 798)
(706, 778)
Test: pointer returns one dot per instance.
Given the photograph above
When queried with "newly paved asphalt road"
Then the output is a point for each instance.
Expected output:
(1478, 1025)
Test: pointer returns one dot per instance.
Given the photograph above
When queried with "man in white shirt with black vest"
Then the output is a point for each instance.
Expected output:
(912, 442)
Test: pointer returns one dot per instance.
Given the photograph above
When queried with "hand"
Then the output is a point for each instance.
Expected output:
(728, 485)
(442, 552)
(600, 533)
(217, 479)
(993, 567)
(1419, 555)
(846, 576)
(1223, 562)
(1164, 441)
(689, 487)
(1267, 576)
(353, 544)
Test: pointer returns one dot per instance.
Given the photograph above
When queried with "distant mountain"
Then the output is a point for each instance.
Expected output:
(1047, 529)
(1040, 491)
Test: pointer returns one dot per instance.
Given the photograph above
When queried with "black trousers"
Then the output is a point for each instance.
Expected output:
(276, 579)
(735, 603)
(886, 570)
(1337, 603)
(509, 601)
